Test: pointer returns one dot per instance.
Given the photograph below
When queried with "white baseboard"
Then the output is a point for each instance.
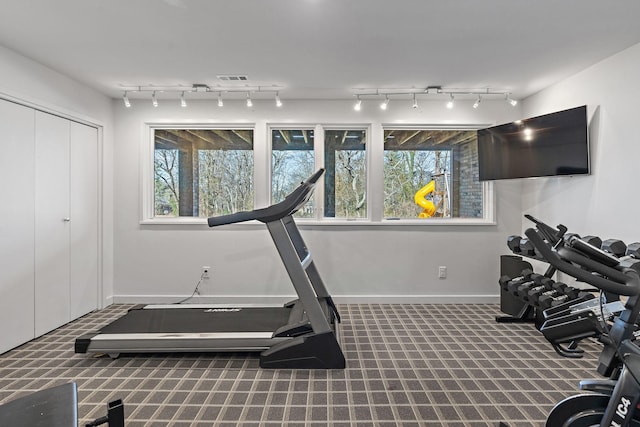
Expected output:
(416, 299)
(281, 299)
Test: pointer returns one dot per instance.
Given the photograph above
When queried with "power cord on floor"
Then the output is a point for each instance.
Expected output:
(196, 291)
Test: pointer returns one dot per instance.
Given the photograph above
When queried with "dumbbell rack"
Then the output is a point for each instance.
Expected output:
(524, 295)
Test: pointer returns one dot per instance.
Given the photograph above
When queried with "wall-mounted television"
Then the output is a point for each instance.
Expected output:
(549, 145)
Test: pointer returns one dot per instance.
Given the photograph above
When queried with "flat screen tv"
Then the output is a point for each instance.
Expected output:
(549, 145)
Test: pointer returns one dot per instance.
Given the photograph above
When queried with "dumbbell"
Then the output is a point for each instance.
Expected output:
(545, 301)
(633, 250)
(538, 280)
(513, 243)
(546, 295)
(560, 287)
(631, 263)
(507, 282)
(534, 293)
(527, 248)
(527, 278)
(568, 293)
(615, 247)
(522, 291)
(592, 240)
(556, 290)
(571, 292)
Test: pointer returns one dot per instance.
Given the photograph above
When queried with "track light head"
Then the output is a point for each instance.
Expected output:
(476, 104)
(154, 100)
(278, 101)
(385, 104)
(511, 101)
(125, 99)
(220, 103)
(183, 101)
(358, 105)
(450, 101)
(415, 101)
(249, 101)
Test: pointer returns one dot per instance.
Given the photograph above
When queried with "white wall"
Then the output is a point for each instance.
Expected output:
(358, 263)
(604, 203)
(25, 81)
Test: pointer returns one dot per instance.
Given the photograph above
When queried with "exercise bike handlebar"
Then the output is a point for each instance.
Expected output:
(625, 282)
(294, 201)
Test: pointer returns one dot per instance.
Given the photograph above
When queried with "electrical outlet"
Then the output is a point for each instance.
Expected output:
(442, 272)
(205, 271)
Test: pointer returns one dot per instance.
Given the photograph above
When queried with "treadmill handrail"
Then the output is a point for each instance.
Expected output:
(626, 282)
(290, 205)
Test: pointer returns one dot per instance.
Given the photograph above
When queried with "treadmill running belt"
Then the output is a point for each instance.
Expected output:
(199, 320)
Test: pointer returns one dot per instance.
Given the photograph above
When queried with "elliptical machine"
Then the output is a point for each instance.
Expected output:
(614, 401)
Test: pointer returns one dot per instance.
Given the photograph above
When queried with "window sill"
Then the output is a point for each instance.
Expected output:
(405, 222)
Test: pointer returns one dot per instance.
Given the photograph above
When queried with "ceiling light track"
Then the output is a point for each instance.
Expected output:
(219, 91)
(413, 94)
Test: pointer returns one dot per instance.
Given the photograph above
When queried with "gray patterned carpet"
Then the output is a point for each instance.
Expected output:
(407, 365)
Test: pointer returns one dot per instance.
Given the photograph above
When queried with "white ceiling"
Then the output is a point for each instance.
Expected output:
(320, 48)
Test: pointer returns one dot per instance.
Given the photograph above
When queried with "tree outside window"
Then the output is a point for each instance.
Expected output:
(292, 161)
(202, 172)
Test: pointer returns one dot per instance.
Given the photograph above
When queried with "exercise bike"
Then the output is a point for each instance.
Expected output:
(613, 402)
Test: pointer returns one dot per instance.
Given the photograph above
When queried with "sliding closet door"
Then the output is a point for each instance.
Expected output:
(16, 224)
(83, 192)
(52, 223)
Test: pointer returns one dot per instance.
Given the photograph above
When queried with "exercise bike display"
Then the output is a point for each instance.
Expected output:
(612, 402)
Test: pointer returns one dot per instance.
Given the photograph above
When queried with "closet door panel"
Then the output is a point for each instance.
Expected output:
(84, 220)
(52, 222)
(16, 225)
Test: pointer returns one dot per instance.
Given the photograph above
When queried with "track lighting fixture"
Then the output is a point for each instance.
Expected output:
(201, 88)
(450, 101)
(358, 105)
(477, 95)
(385, 104)
(476, 104)
(126, 101)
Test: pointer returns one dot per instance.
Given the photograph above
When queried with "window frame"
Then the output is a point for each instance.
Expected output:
(488, 195)
(262, 152)
(147, 184)
(274, 126)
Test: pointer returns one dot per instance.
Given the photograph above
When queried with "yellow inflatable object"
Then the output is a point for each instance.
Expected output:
(421, 200)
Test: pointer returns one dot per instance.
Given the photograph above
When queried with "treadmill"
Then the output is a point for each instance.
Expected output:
(301, 334)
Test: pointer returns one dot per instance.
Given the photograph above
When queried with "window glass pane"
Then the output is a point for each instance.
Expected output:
(292, 161)
(346, 173)
(431, 174)
(202, 172)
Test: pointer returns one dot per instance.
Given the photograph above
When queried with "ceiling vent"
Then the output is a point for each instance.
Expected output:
(233, 77)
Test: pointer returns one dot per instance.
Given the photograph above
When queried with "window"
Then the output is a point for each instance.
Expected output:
(292, 161)
(431, 174)
(202, 172)
(420, 175)
(345, 160)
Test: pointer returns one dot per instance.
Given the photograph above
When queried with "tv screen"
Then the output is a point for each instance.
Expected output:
(549, 145)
